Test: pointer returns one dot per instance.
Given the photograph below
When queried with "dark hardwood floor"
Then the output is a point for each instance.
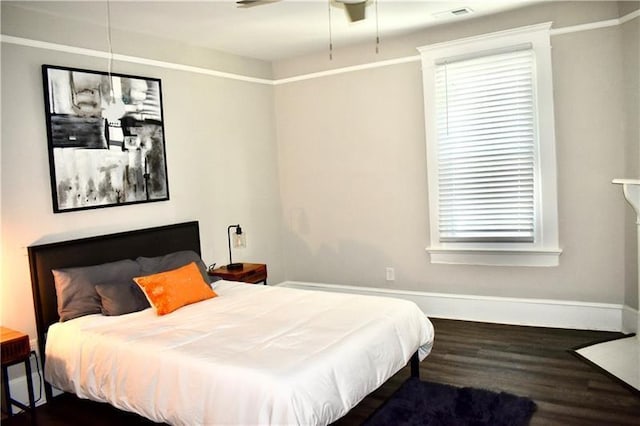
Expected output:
(527, 361)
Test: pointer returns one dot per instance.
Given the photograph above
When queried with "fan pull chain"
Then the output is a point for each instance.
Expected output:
(330, 32)
(377, 29)
(110, 63)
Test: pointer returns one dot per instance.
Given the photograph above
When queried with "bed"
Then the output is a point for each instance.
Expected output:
(251, 355)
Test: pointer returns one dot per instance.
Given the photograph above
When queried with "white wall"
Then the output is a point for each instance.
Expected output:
(353, 172)
(220, 146)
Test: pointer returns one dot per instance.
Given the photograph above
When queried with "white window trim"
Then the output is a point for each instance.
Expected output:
(544, 251)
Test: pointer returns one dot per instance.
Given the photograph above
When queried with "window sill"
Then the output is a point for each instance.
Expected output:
(544, 257)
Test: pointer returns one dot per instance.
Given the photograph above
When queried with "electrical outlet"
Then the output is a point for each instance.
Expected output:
(391, 274)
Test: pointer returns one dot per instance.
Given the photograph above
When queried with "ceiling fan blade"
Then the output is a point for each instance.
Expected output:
(355, 11)
(243, 4)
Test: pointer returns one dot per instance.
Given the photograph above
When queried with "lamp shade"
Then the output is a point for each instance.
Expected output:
(239, 241)
(239, 238)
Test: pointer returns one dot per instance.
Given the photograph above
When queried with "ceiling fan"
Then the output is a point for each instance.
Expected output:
(355, 8)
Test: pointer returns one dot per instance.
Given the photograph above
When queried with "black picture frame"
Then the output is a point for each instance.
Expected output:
(105, 134)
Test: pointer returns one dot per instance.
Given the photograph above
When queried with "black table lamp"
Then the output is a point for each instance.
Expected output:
(239, 241)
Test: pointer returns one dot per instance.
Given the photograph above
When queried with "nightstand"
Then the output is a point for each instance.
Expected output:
(252, 273)
(15, 349)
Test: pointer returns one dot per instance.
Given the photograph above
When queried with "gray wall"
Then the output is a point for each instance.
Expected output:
(353, 172)
(631, 73)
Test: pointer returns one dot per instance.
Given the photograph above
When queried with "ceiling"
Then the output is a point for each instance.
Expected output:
(273, 31)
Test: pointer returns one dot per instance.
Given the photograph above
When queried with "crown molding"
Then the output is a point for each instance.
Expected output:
(275, 82)
(128, 58)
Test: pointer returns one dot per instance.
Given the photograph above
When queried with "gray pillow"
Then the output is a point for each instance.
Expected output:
(76, 287)
(154, 265)
(119, 298)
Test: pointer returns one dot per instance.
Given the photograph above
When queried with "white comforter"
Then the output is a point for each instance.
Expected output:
(254, 355)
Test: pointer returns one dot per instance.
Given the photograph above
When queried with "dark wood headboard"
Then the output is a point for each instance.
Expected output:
(148, 242)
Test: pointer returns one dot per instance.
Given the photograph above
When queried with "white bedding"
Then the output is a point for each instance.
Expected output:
(254, 355)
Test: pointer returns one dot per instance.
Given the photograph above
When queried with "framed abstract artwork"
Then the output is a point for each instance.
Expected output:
(105, 136)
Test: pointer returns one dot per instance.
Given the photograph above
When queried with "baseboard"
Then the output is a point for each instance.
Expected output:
(630, 320)
(504, 310)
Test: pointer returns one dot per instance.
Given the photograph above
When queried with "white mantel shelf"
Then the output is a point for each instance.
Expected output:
(631, 190)
(627, 181)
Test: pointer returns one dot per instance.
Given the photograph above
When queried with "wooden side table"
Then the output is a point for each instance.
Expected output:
(15, 349)
(252, 273)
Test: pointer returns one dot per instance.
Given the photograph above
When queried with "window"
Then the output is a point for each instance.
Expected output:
(491, 149)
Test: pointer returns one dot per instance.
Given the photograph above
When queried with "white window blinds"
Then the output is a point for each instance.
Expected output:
(486, 147)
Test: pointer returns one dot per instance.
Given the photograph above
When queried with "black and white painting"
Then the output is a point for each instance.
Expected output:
(106, 139)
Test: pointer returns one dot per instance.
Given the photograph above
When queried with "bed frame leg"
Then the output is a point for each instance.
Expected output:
(415, 365)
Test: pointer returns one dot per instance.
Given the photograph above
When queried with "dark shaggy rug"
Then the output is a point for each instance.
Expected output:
(425, 403)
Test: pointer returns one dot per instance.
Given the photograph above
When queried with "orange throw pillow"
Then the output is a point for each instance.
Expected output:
(168, 291)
